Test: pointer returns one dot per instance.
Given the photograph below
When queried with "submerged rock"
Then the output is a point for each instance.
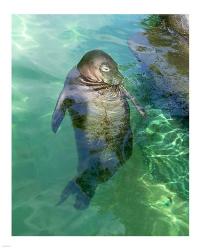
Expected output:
(164, 57)
(180, 23)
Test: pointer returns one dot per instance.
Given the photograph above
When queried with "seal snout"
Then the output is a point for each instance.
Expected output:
(117, 79)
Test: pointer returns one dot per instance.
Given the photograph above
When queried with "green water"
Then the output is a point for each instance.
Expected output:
(148, 196)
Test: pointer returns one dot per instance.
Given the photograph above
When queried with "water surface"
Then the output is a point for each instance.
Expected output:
(148, 195)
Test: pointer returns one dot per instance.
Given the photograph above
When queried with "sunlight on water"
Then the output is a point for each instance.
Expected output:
(148, 195)
(22, 37)
(166, 150)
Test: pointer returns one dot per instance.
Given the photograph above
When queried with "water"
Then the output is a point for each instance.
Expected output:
(149, 195)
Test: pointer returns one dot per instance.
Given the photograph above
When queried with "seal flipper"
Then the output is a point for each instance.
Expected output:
(133, 100)
(60, 110)
(68, 190)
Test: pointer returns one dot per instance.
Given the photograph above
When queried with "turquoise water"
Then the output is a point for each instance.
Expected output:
(148, 196)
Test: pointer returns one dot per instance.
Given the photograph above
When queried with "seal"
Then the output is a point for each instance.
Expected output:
(100, 115)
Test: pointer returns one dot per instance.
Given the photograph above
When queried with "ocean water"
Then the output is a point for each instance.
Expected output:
(148, 195)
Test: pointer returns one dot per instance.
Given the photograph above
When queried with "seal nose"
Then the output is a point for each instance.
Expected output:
(117, 79)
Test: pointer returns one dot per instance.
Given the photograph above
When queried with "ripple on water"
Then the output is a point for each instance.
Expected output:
(166, 151)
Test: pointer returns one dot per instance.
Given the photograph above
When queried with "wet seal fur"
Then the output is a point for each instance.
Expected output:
(101, 120)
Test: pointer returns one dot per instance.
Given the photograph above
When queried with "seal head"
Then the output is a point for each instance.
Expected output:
(98, 67)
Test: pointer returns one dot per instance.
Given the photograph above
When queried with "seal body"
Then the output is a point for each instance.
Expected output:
(101, 121)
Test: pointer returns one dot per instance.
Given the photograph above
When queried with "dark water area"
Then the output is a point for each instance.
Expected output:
(149, 194)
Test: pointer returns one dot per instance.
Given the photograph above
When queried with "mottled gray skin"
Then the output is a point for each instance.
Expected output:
(101, 121)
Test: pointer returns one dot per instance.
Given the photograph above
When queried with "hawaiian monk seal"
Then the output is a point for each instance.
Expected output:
(97, 104)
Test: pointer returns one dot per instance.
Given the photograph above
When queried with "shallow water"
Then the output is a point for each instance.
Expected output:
(148, 195)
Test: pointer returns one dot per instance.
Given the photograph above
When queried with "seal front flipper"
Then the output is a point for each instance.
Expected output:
(133, 100)
(60, 110)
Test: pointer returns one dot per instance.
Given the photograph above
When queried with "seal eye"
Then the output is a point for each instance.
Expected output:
(105, 68)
